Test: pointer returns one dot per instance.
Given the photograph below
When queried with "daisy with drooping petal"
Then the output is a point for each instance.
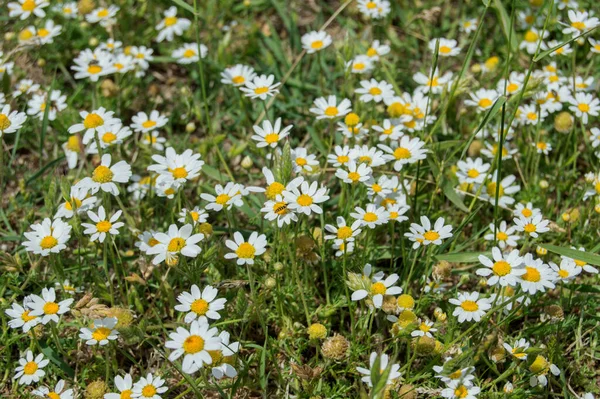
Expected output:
(200, 305)
(170, 25)
(425, 234)
(141, 56)
(47, 34)
(371, 216)
(175, 242)
(532, 39)
(584, 105)
(579, 22)
(567, 271)
(124, 386)
(408, 150)
(101, 332)
(448, 47)
(503, 269)
(388, 131)
(194, 345)
(425, 329)
(261, 87)
(108, 135)
(328, 108)
(595, 45)
(581, 263)
(223, 362)
(469, 306)
(315, 41)
(197, 214)
(46, 306)
(21, 317)
(237, 75)
(10, 122)
(30, 369)
(377, 50)
(269, 134)
(472, 171)
(24, 87)
(371, 156)
(483, 99)
(102, 226)
(526, 211)
(78, 202)
(149, 387)
(91, 122)
(518, 350)
(372, 90)
(226, 197)
(506, 188)
(246, 251)
(188, 53)
(92, 65)
(384, 360)
(533, 226)
(142, 122)
(154, 140)
(305, 197)
(47, 237)
(342, 155)
(504, 235)
(537, 277)
(24, 8)
(59, 391)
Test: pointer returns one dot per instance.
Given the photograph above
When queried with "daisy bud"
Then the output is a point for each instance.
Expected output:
(135, 278)
(574, 215)
(405, 302)
(541, 251)
(389, 304)
(351, 119)
(597, 208)
(476, 68)
(407, 392)
(424, 345)
(247, 162)
(536, 3)
(555, 312)
(190, 127)
(9, 36)
(93, 42)
(85, 6)
(406, 320)
(247, 3)
(335, 348)
(544, 184)
(124, 316)
(440, 315)
(498, 354)
(439, 347)
(206, 229)
(475, 148)
(95, 390)
(278, 266)
(270, 282)
(317, 331)
(563, 122)
(539, 365)
(508, 388)
(442, 270)
(109, 88)
(41, 62)
(565, 217)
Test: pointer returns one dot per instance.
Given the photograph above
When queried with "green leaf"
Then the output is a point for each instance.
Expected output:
(452, 195)
(488, 116)
(544, 54)
(44, 168)
(462, 257)
(55, 358)
(212, 173)
(505, 22)
(587, 257)
(184, 5)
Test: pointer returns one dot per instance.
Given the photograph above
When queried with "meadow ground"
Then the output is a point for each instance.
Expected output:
(299, 199)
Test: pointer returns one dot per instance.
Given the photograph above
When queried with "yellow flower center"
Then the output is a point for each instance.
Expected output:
(344, 233)
(170, 21)
(304, 200)
(126, 394)
(433, 83)
(532, 116)
(53, 395)
(531, 274)
(193, 344)
(179, 173)
(374, 91)
(539, 365)
(28, 5)
(563, 273)
(176, 244)
(102, 174)
(331, 111)
(473, 173)
(103, 226)
(73, 143)
(43, 32)
(317, 44)
(92, 120)
(491, 189)
(261, 90)
(424, 327)
(461, 392)
(189, 53)
(370, 217)
(502, 236)
(238, 80)
(579, 263)
(359, 66)
(501, 268)
(222, 199)
(48, 242)
(148, 124)
(395, 110)
(431, 235)
(26, 317)
(4, 122)
(402, 153)
(30, 368)
(445, 49)
(245, 251)
(274, 190)
(583, 107)
(531, 36)
(578, 25)
(148, 391)
(25, 35)
(371, 52)
(469, 306)
(94, 70)
(406, 301)
(485, 102)
(378, 288)
(272, 138)
(529, 228)
(152, 242)
(371, 5)
(541, 145)
(353, 176)
(102, 13)
(199, 306)
(101, 333)
(365, 159)
(109, 137)
(280, 208)
(50, 308)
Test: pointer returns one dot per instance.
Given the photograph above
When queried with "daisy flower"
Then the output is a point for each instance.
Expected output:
(47, 237)
(531, 40)
(30, 369)
(78, 202)
(154, 140)
(188, 53)
(10, 122)
(582, 84)
(580, 263)
(170, 25)
(47, 34)
(368, 155)
(579, 22)
(483, 99)
(435, 85)
(537, 277)
(380, 188)
(504, 235)
(595, 45)
(567, 271)
(341, 155)
(503, 269)
(425, 329)
(377, 50)
(472, 171)
(584, 105)
(141, 56)
(269, 135)
(143, 122)
(526, 210)
(303, 161)
(102, 225)
(425, 234)
(176, 168)
(46, 306)
(563, 50)
(388, 131)
(175, 242)
(542, 147)
(108, 135)
(518, 350)
(409, 150)
(469, 25)
(469, 306)
(531, 115)
(222, 358)
(397, 211)
(59, 391)
(261, 87)
(24, 8)
(457, 389)
(384, 364)
(101, 332)
(448, 47)
(38, 103)
(227, 197)
(360, 64)
(372, 90)
(104, 177)
(237, 75)
(506, 188)
(21, 317)
(200, 305)
(305, 197)
(355, 174)
(540, 367)
(25, 86)
(343, 232)
(92, 65)
(328, 108)
(356, 132)
(106, 16)
(533, 226)
(278, 209)
(315, 41)
(371, 216)
(246, 251)
(91, 123)
(195, 345)
(111, 45)
(124, 385)
(197, 214)
(149, 387)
